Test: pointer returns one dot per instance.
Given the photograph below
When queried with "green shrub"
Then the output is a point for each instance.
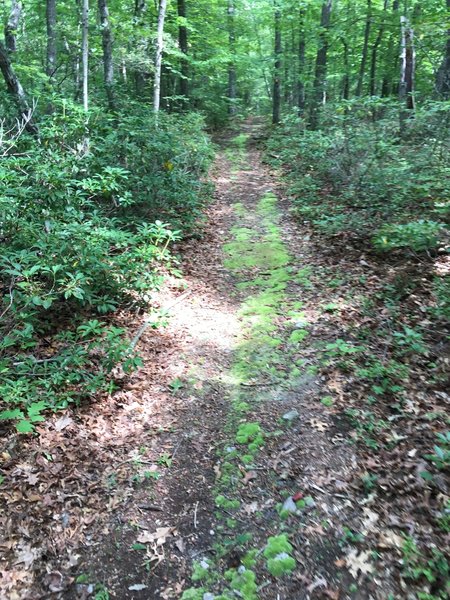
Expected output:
(417, 235)
(84, 233)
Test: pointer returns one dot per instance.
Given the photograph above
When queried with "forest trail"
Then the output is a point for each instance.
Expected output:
(239, 441)
(221, 469)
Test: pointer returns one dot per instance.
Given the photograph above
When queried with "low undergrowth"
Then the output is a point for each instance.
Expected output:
(373, 206)
(87, 216)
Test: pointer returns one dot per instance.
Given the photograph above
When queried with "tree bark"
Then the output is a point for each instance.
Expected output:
(375, 47)
(301, 64)
(16, 90)
(390, 71)
(51, 37)
(183, 43)
(443, 74)
(107, 44)
(346, 77)
(12, 25)
(407, 72)
(140, 8)
(158, 55)
(362, 67)
(85, 52)
(232, 78)
(320, 73)
(276, 107)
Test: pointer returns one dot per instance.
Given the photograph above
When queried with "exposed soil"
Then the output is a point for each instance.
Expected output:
(121, 494)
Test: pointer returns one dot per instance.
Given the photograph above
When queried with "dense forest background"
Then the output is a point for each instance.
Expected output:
(104, 112)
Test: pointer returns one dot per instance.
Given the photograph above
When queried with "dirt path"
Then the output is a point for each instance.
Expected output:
(222, 468)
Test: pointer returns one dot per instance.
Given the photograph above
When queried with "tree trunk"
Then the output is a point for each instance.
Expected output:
(85, 52)
(12, 25)
(375, 47)
(301, 64)
(362, 67)
(15, 88)
(346, 77)
(140, 8)
(107, 44)
(276, 108)
(443, 74)
(51, 37)
(321, 64)
(390, 70)
(232, 79)
(159, 54)
(407, 73)
(183, 43)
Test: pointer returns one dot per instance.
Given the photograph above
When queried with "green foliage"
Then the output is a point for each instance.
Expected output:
(418, 236)
(441, 455)
(81, 235)
(426, 569)
(371, 180)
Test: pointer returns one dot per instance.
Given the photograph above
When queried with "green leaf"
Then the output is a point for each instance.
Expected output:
(24, 427)
(11, 414)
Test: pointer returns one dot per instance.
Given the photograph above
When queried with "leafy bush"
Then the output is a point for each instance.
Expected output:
(417, 235)
(82, 233)
(355, 175)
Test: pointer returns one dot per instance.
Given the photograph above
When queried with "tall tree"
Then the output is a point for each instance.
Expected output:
(183, 43)
(301, 98)
(407, 72)
(13, 84)
(12, 25)
(320, 72)
(232, 78)
(85, 52)
(107, 44)
(375, 47)
(390, 76)
(51, 38)
(159, 54)
(443, 74)
(276, 106)
(365, 49)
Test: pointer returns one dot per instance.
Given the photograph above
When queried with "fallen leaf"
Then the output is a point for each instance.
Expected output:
(319, 425)
(358, 563)
(159, 536)
(249, 476)
(63, 422)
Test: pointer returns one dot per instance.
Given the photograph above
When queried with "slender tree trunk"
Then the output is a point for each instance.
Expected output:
(375, 47)
(443, 74)
(276, 108)
(321, 64)
(85, 52)
(407, 73)
(183, 43)
(390, 70)
(362, 67)
(51, 37)
(346, 77)
(107, 44)
(140, 8)
(232, 78)
(159, 54)
(16, 90)
(12, 25)
(301, 64)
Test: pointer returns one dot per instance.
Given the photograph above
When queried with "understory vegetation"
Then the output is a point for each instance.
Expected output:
(84, 233)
